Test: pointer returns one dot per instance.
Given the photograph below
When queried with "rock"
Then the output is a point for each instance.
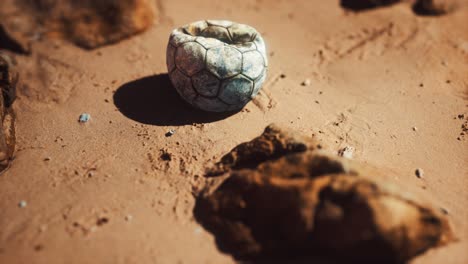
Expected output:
(84, 117)
(272, 144)
(360, 5)
(87, 23)
(308, 203)
(419, 173)
(346, 152)
(434, 8)
(8, 81)
(22, 204)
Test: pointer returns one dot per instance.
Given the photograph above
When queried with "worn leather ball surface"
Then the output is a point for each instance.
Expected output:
(217, 65)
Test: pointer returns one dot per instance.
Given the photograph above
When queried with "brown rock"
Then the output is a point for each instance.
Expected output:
(8, 81)
(88, 23)
(433, 7)
(272, 144)
(311, 203)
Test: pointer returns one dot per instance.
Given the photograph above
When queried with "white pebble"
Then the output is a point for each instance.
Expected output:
(419, 173)
(22, 204)
(346, 152)
(128, 218)
(306, 82)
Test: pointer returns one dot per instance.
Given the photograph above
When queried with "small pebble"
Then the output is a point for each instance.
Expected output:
(346, 152)
(84, 118)
(444, 211)
(197, 231)
(46, 158)
(22, 204)
(128, 218)
(415, 129)
(170, 133)
(306, 82)
(419, 173)
(282, 76)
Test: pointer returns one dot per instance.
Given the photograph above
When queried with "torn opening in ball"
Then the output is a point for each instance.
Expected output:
(217, 65)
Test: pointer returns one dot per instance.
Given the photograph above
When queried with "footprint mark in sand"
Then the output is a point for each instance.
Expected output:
(350, 130)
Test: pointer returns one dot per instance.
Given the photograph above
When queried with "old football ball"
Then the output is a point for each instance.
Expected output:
(216, 65)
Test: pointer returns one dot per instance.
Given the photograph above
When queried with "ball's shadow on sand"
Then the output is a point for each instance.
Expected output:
(154, 101)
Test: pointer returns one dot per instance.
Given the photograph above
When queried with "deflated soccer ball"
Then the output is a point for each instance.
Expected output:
(216, 65)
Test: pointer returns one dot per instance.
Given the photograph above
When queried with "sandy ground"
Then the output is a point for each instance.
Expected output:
(101, 193)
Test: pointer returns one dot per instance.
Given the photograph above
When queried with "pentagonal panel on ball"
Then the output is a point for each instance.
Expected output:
(252, 64)
(190, 58)
(183, 85)
(224, 61)
(236, 91)
(206, 84)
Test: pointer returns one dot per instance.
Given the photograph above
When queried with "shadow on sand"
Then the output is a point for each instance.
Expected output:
(152, 100)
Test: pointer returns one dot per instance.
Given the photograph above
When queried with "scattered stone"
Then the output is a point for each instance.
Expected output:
(307, 202)
(361, 5)
(102, 220)
(170, 133)
(22, 204)
(282, 76)
(128, 218)
(8, 79)
(415, 129)
(84, 118)
(419, 173)
(197, 230)
(461, 116)
(273, 143)
(306, 82)
(444, 211)
(346, 152)
(87, 23)
(47, 159)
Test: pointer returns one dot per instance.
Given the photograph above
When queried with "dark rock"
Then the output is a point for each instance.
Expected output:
(87, 23)
(273, 143)
(8, 81)
(309, 203)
